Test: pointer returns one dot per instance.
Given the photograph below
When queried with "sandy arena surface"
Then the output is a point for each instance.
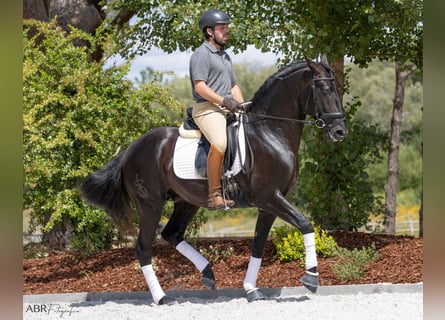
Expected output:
(384, 305)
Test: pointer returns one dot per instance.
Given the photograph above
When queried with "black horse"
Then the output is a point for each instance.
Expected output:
(273, 125)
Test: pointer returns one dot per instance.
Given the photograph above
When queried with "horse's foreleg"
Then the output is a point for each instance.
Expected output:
(310, 279)
(263, 225)
(287, 212)
(174, 232)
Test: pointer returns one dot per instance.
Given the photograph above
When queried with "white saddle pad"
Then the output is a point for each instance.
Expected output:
(185, 152)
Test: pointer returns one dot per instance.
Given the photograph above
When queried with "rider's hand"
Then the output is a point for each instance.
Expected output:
(231, 105)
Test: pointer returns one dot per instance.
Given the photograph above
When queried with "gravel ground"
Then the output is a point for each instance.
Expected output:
(383, 305)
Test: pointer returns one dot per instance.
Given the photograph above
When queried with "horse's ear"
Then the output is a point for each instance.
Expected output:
(324, 60)
(314, 66)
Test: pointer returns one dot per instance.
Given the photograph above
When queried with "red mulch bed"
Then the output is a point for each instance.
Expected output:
(117, 270)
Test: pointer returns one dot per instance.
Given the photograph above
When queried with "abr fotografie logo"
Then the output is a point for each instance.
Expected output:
(51, 308)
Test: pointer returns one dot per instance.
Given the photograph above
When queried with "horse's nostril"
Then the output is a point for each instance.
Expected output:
(341, 133)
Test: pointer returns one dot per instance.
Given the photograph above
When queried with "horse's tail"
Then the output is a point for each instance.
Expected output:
(104, 189)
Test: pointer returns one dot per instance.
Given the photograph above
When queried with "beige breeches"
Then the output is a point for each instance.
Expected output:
(211, 120)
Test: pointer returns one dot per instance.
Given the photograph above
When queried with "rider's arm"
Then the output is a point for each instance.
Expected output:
(207, 93)
(237, 95)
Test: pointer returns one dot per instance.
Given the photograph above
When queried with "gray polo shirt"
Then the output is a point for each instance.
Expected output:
(213, 67)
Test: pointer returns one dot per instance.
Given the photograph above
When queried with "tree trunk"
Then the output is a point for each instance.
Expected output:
(85, 15)
(81, 14)
(59, 236)
(35, 9)
(393, 153)
(338, 69)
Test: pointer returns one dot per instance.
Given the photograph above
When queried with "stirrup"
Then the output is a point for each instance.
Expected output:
(225, 203)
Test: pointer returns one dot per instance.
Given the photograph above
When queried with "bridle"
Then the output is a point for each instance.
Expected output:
(319, 116)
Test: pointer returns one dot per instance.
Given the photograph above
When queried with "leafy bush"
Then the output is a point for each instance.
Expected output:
(289, 243)
(213, 254)
(35, 250)
(353, 263)
(94, 232)
(77, 115)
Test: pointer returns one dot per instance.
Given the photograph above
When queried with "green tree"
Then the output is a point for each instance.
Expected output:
(374, 86)
(77, 115)
(334, 186)
(361, 30)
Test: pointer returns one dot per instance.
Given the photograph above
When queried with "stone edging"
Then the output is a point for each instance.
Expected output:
(227, 293)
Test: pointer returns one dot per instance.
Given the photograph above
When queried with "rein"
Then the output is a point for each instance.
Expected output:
(319, 121)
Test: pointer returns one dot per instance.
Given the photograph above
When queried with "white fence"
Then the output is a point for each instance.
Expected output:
(408, 227)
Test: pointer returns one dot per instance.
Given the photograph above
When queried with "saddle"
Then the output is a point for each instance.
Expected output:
(189, 129)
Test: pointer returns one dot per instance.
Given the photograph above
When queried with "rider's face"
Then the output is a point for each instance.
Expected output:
(222, 33)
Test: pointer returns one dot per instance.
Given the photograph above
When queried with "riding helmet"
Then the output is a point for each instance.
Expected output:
(212, 17)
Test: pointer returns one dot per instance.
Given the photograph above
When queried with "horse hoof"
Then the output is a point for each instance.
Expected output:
(167, 301)
(310, 282)
(208, 278)
(208, 283)
(255, 295)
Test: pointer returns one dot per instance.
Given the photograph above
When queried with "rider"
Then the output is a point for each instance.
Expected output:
(216, 93)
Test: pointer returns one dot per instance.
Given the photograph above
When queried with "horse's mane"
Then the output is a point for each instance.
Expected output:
(282, 73)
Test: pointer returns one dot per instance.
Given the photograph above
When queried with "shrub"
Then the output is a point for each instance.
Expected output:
(353, 263)
(77, 115)
(94, 232)
(213, 254)
(289, 243)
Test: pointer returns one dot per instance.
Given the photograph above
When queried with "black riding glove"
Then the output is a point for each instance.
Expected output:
(231, 105)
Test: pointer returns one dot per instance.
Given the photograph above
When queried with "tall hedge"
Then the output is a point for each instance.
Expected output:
(77, 115)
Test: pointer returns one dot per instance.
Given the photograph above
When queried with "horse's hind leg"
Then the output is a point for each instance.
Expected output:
(174, 232)
(263, 225)
(150, 215)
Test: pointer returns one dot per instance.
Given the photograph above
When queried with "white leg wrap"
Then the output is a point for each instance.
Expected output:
(194, 256)
(309, 245)
(153, 284)
(252, 273)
